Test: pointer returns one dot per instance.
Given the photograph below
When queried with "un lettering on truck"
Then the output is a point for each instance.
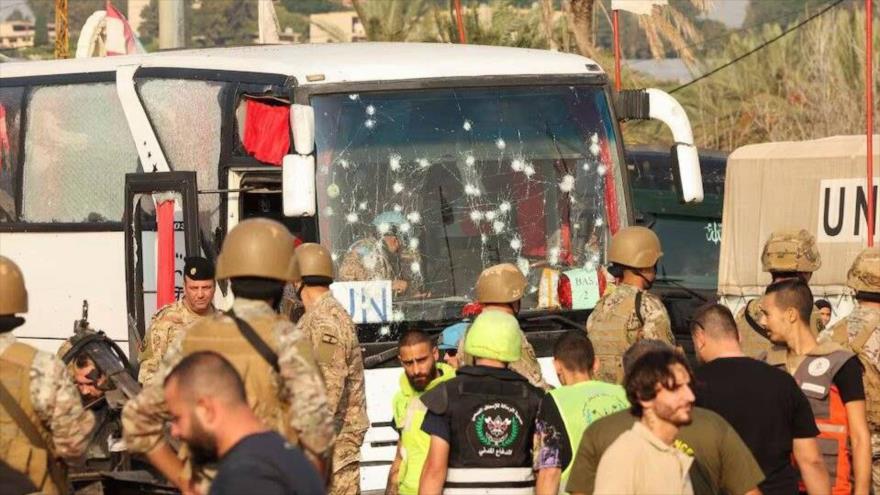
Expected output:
(817, 185)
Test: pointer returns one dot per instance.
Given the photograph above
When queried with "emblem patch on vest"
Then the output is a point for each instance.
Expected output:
(601, 405)
(497, 427)
(819, 367)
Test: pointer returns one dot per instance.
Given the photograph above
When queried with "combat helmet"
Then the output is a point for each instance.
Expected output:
(13, 294)
(864, 274)
(635, 247)
(791, 251)
(494, 335)
(312, 260)
(500, 284)
(257, 247)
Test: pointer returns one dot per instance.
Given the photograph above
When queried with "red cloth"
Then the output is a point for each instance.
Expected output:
(267, 131)
(165, 254)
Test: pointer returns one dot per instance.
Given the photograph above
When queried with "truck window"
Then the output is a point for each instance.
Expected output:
(10, 128)
(77, 150)
(464, 178)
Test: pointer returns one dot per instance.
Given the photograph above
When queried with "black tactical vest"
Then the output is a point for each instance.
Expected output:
(492, 417)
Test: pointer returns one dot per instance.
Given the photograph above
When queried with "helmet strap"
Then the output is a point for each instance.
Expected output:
(10, 322)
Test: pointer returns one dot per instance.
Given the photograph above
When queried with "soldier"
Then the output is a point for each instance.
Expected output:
(385, 258)
(788, 254)
(860, 332)
(334, 340)
(482, 422)
(171, 319)
(629, 313)
(41, 417)
(274, 358)
(501, 288)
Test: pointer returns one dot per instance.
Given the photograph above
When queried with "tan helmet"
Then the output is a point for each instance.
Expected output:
(791, 251)
(500, 284)
(312, 260)
(864, 274)
(257, 247)
(636, 247)
(13, 294)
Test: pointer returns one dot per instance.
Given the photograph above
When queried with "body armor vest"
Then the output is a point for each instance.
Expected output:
(262, 385)
(492, 419)
(815, 376)
(611, 338)
(871, 376)
(16, 449)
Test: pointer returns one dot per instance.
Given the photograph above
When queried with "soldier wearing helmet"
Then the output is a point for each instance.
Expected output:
(501, 288)
(334, 340)
(385, 257)
(481, 422)
(860, 332)
(274, 358)
(41, 417)
(788, 254)
(629, 313)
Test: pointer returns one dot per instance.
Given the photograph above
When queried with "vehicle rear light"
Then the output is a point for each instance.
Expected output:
(563, 291)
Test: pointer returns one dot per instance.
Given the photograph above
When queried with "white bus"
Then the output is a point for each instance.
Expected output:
(490, 154)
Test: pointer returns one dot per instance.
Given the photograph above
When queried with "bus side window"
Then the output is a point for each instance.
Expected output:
(10, 139)
(187, 116)
(77, 151)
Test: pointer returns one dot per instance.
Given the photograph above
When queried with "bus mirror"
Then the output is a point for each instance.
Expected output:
(298, 185)
(686, 169)
(302, 125)
(651, 103)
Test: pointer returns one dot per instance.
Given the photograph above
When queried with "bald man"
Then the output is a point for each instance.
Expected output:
(209, 412)
(763, 404)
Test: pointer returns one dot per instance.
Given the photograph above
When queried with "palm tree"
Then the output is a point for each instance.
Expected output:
(391, 20)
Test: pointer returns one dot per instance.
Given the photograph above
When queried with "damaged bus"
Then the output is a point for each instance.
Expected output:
(416, 165)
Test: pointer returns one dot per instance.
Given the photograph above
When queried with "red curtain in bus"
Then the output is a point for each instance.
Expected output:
(267, 131)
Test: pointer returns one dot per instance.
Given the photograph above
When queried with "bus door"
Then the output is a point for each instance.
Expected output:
(161, 229)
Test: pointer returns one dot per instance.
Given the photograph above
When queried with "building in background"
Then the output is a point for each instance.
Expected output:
(17, 34)
(335, 27)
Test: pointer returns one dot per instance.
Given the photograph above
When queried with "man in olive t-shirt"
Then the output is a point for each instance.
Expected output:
(722, 461)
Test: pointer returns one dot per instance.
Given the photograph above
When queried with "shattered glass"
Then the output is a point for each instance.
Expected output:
(77, 143)
(187, 118)
(426, 188)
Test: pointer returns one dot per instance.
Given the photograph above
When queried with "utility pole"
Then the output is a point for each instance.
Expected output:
(62, 48)
(170, 24)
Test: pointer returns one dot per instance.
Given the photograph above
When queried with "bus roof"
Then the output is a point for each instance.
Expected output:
(336, 62)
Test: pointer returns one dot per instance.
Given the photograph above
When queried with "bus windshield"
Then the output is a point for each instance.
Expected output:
(426, 188)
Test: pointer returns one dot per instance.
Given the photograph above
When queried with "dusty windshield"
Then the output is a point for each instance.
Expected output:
(425, 188)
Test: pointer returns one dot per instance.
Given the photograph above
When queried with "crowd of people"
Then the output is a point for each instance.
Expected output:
(251, 401)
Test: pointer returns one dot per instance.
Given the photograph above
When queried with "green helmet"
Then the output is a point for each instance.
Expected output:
(494, 335)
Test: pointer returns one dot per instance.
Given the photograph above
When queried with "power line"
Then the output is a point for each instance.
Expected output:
(781, 20)
(759, 47)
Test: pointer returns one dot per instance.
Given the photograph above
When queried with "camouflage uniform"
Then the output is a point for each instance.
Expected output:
(754, 338)
(165, 326)
(847, 332)
(367, 259)
(614, 325)
(527, 366)
(300, 385)
(338, 352)
(56, 403)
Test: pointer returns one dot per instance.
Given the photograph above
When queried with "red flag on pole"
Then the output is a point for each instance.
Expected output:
(120, 37)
